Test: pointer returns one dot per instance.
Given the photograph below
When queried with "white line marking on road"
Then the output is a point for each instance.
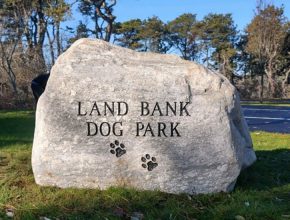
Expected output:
(266, 109)
(267, 118)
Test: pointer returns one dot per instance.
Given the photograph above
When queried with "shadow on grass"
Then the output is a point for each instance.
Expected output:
(269, 171)
(16, 129)
(255, 185)
(15, 143)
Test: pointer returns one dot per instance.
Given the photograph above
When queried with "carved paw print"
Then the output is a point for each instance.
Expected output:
(149, 162)
(117, 149)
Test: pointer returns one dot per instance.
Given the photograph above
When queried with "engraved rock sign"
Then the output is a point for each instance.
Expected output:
(111, 116)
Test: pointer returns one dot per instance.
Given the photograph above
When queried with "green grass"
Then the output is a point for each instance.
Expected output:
(266, 104)
(262, 191)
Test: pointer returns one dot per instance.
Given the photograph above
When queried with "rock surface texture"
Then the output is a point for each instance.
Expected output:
(90, 131)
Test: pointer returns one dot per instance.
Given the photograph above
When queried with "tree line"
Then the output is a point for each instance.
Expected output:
(256, 59)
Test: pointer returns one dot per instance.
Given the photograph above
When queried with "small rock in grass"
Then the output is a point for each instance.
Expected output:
(239, 217)
(44, 218)
(9, 213)
(137, 216)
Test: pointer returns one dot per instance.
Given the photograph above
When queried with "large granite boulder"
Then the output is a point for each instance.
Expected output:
(114, 117)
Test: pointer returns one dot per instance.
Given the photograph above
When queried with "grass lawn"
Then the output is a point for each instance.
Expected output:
(267, 104)
(262, 191)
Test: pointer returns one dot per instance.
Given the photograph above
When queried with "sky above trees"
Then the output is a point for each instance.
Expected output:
(240, 39)
(166, 10)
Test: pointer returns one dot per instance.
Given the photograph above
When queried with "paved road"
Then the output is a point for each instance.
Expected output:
(268, 118)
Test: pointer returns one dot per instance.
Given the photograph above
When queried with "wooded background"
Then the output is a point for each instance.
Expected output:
(256, 60)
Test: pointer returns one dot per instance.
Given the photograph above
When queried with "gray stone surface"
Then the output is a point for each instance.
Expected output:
(214, 143)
